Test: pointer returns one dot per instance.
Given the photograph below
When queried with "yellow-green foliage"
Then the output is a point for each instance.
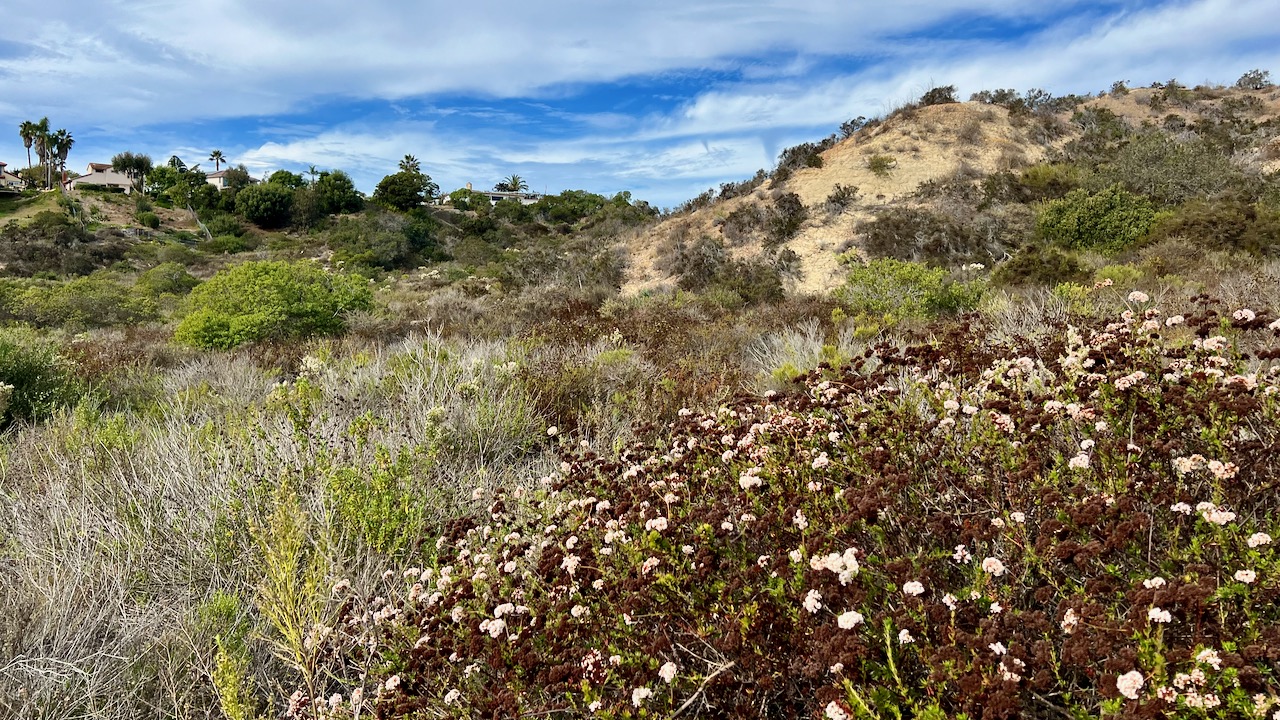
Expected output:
(907, 289)
(270, 300)
(881, 164)
(1107, 221)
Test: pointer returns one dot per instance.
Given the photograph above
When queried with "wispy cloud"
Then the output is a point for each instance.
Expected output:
(662, 97)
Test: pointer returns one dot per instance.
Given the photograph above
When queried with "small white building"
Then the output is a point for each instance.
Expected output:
(101, 174)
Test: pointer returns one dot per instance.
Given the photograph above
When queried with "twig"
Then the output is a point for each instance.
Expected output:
(1050, 704)
(702, 687)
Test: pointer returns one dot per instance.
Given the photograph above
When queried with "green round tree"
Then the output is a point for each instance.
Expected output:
(269, 301)
(265, 205)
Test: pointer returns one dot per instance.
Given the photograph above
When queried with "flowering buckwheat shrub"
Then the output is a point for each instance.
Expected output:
(956, 556)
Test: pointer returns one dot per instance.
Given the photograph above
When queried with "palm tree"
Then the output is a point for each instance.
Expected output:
(218, 158)
(514, 184)
(410, 164)
(314, 173)
(176, 163)
(27, 130)
(42, 142)
(60, 147)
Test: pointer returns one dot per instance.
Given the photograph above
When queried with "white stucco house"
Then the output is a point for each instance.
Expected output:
(102, 174)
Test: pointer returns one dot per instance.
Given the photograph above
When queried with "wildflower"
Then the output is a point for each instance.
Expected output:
(813, 601)
(1181, 507)
(1246, 576)
(1258, 539)
(1244, 315)
(1018, 517)
(595, 706)
(341, 586)
(553, 431)
(452, 696)
(1159, 615)
(1167, 694)
(950, 601)
(494, 627)
(833, 711)
(998, 648)
(1079, 462)
(1210, 657)
(570, 563)
(996, 608)
(1218, 516)
(961, 555)
(639, 695)
(849, 620)
(993, 566)
(821, 461)
(579, 610)
(649, 564)
(1069, 621)
(800, 520)
(1275, 325)
(668, 672)
(913, 588)
(836, 669)
(659, 524)
(1214, 344)
(1153, 583)
(997, 522)
(1129, 684)
(904, 637)
(1137, 296)
(833, 436)
(392, 683)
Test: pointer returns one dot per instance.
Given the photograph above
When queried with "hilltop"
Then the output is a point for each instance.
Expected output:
(928, 147)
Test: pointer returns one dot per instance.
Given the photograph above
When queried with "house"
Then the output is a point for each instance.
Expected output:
(101, 175)
(524, 198)
(219, 179)
(8, 180)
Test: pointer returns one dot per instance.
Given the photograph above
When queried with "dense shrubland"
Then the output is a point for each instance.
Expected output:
(336, 456)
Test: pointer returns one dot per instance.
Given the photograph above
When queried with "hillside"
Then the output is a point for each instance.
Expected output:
(939, 144)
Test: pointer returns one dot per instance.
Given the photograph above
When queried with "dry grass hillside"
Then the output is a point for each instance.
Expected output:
(944, 142)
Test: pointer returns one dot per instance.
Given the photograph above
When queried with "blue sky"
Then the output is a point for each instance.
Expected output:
(664, 98)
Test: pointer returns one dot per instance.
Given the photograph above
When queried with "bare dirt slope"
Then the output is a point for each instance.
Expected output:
(938, 142)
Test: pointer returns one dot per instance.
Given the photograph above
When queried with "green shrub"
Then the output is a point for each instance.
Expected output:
(787, 215)
(269, 300)
(168, 278)
(86, 302)
(266, 205)
(1108, 221)
(1038, 265)
(918, 234)
(1169, 172)
(224, 224)
(881, 164)
(1223, 225)
(227, 245)
(34, 378)
(841, 197)
(906, 289)
(148, 219)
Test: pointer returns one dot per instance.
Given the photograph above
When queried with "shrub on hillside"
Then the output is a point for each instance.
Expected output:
(34, 378)
(888, 287)
(1169, 172)
(168, 278)
(269, 301)
(939, 96)
(1108, 221)
(743, 224)
(918, 234)
(265, 205)
(86, 302)
(1042, 265)
(1223, 224)
(785, 219)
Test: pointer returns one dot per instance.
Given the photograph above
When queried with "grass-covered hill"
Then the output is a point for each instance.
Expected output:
(971, 412)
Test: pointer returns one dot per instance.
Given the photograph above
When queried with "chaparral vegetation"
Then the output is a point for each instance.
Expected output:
(969, 411)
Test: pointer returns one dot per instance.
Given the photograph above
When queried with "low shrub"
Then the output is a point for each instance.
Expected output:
(35, 379)
(269, 300)
(890, 287)
(1038, 264)
(1108, 221)
(919, 234)
(881, 164)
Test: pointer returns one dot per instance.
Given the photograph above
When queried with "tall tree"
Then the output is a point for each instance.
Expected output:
(61, 147)
(43, 140)
(218, 158)
(27, 130)
(135, 166)
(313, 172)
(410, 164)
(176, 163)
